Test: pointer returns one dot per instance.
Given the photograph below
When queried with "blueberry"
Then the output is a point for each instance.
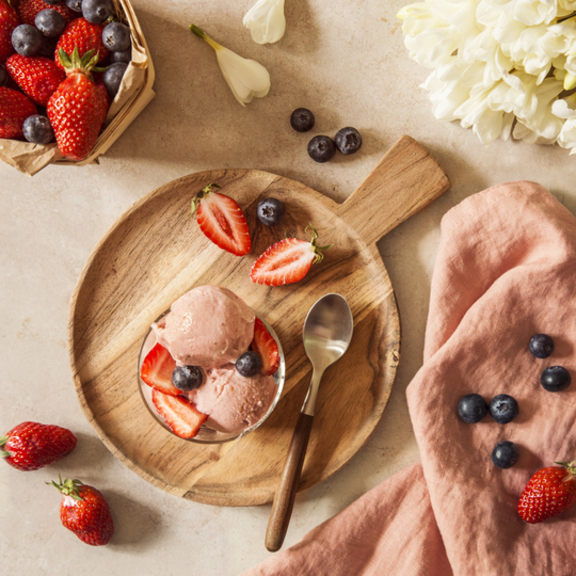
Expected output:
(3, 75)
(74, 5)
(472, 408)
(112, 78)
(50, 23)
(541, 345)
(503, 408)
(348, 140)
(321, 148)
(555, 379)
(37, 129)
(270, 211)
(249, 363)
(53, 2)
(187, 378)
(505, 454)
(124, 57)
(302, 120)
(97, 11)
(26, 40)
(116, 37)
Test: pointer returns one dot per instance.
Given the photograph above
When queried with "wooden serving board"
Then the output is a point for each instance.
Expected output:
(155, 252)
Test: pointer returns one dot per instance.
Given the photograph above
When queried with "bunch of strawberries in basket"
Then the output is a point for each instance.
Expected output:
(61, 65)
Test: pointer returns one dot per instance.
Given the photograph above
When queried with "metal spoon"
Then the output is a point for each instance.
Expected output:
(327, 334)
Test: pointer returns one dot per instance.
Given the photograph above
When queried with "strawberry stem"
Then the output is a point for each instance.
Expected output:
(68, 487)
(570, 466)
(202, 194)
(74, 62)
(319, 250)
(4, 453)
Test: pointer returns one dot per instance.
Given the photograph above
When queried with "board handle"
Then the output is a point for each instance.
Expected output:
(286, 492)
(406, 180)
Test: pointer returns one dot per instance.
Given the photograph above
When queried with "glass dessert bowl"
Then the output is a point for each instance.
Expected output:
(229, 404)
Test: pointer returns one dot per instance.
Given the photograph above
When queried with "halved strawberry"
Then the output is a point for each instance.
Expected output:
(222, 220)
(157, 370)
(180, 414)
(287, 261)
(266, 346)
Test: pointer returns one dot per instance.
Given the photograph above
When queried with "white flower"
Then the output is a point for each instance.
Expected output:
(266, 21)
(542, 121)
(534, 12)
(246, 78)
(565, 108)
(499, 66)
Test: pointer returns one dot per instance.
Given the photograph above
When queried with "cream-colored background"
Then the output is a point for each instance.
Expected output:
(343, 59)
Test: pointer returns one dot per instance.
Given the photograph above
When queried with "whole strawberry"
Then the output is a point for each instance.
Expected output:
(30, 445)
(28, 9)
(84, 36)
(38, 77)
(85, 511)
(14, 109)
(550, 491)
(78, 107)
(8, 21)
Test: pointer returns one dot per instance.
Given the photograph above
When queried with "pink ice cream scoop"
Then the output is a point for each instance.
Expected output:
(233, 402)
(209, 326)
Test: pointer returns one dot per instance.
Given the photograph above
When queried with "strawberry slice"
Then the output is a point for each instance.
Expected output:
(287, 261)
(157, 370)
(222, 220)
(180, 414)
(266, 346)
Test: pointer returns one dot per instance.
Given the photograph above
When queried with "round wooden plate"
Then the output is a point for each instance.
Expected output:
(155, 252)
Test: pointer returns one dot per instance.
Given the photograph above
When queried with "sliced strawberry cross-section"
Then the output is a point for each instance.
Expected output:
(266, 346)
(287, 261)
(222, 221)
(157, 368)
(180, 414)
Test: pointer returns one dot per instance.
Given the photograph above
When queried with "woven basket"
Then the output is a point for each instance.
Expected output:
(134, 94)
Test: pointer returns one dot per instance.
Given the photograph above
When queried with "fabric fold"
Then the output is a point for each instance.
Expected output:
(505, 270)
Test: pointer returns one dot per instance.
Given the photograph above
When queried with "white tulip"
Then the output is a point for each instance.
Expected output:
(266, 21)
(246, 78)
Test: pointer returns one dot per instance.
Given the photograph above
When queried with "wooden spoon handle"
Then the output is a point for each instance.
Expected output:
(284, 497)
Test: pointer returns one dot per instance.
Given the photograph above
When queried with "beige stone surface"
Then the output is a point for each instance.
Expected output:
(345, 61)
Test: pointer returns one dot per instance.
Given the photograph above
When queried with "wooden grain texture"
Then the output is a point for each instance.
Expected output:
(288, 485)
(155, 252)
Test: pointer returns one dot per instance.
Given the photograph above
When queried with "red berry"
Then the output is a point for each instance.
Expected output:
(14, 109)
(28, 9)
(38, 77)
(83, 35)
(78, 108)
(287, 261)
(8, 21)
(30, 445)
(550, 491)
(266, 346)
(222, 221)
(157, 368)
(85, 512)
(180, 414)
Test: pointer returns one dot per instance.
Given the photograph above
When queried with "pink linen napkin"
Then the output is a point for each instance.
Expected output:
(505, 270)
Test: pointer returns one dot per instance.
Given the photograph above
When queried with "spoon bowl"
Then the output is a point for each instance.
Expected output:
(327, 333)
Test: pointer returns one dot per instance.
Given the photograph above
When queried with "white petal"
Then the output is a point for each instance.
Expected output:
(246, 78)
(266, 21)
